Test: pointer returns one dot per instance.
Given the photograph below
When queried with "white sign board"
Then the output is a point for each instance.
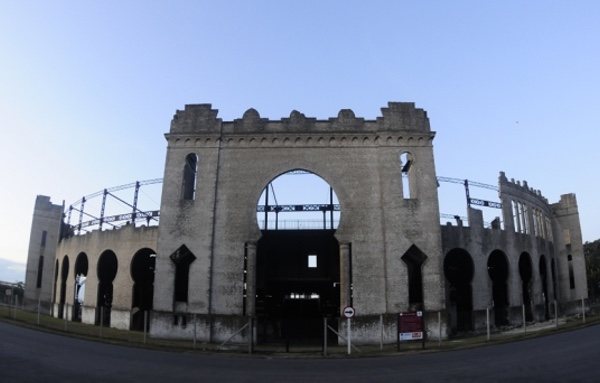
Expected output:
(349, 311)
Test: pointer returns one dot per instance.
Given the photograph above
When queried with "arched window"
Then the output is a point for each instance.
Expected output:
(190, 171)
(408, 181)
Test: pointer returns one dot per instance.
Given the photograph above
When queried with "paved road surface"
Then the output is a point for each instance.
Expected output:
(31, 356)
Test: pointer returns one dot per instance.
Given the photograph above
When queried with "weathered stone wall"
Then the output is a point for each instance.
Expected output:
(358, 158)
(531, 225)
(124, 242)
(47, 217)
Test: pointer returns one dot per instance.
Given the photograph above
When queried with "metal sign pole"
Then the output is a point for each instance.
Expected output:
(325, 336)
(349, 337)
(439, 328)
(524, 320)
(145, 324)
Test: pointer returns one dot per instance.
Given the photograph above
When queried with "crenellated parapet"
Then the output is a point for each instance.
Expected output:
(396, 117)
(521, 190)
(525, 209)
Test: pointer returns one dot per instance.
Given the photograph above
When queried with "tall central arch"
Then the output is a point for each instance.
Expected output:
(297, 275)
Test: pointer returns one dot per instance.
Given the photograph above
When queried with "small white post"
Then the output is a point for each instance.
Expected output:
(145, 324)
(195, 331)
(439, 328)
(380, 332)
(38, 312)
(324, 336)
(487, 319)
(349, 337)
(101, 319)
(524, 321)
(65, 314)
(555, 313)
(583, 309)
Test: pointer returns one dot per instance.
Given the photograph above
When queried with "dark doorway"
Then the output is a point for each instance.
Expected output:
(142, 272)
(107, 270)
(526, 272)
(297, 284)
(414, 259)
(64, 273)
(498, 272)
(81, 270)
(458, 269)
(544, 281)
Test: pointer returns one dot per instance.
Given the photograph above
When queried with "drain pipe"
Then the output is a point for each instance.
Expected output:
(212, 239)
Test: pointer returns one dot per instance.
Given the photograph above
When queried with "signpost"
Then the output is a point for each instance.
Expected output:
(349, 313)
(410, 327)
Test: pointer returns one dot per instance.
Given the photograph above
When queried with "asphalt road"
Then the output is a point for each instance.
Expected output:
(32, 356)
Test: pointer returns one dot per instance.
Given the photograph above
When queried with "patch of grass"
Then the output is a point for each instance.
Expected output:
(136, 338)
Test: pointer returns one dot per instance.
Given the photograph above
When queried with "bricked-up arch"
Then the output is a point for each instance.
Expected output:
(142, 273)
(459, 271)
(526, 273)
(182, 258)
(498, 271)
(544, 281)
(414, 258)
(63, 286)
(190, 171)
(107, 270)
(81, 270)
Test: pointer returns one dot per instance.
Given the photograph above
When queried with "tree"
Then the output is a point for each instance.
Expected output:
(591, 251)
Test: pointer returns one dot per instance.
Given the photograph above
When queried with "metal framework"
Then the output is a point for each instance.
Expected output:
(136, 214)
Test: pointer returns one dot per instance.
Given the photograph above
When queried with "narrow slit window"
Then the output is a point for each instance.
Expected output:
(190, 172)
(40, 272)
(406, 164)
(43, 242)
(312, 261)
(571, 274)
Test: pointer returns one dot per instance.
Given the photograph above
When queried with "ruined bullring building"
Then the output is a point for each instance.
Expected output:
(219, 255)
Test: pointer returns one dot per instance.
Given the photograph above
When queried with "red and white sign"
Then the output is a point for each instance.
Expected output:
(410, 326)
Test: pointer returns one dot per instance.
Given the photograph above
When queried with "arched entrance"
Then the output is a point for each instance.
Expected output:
(81, 270)
(498, 272)
(142, 273)
(297, 258)
(107, 270)
(544, 281)
(64, 273)
(526, 272)
(458, 270)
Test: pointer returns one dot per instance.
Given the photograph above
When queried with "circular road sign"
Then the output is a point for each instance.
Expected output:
(348, 311)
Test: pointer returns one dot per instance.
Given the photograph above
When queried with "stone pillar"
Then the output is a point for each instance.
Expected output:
(251, 278)
(345, 278)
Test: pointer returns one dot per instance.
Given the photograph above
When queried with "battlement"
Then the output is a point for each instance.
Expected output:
(397, 116)
(516, 188)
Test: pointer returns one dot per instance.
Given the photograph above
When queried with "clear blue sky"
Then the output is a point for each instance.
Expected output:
(87, 88)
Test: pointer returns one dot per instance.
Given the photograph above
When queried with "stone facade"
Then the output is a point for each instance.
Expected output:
(214, 224)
